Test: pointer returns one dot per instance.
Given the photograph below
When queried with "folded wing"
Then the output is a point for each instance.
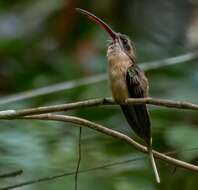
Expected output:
(137, 115)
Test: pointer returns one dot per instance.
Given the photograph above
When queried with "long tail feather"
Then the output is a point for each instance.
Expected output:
(138, 118)
(153, 164)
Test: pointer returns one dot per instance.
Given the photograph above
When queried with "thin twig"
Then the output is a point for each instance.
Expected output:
(11, 114)
(114, 134)
(169, 61)
(93, 79)
(79, 158)
(11, 174)
(64, 174)
(52, 89)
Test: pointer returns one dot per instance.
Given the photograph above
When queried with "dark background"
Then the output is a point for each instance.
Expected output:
(47, 42)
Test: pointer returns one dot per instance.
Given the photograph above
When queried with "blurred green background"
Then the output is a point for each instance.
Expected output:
(47, 42)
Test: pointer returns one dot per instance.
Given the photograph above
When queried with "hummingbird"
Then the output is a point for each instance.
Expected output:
(127, 80)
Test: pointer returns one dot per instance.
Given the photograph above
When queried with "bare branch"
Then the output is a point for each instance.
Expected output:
(52, 89)
(79, 158)
(11, 174)
(11, 114)
(37, 180)
(63, 174)
(93, 79)
(169, 61)
(114, 134)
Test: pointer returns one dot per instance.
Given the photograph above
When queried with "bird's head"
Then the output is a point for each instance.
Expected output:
(119, 44)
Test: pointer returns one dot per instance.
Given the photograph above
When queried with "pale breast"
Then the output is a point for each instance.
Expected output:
(117, 68)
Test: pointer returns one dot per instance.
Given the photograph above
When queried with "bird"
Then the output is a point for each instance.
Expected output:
(127, 80)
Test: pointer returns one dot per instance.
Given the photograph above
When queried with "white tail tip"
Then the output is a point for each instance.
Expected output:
(153, 165)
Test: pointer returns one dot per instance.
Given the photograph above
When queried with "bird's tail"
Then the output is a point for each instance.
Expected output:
(138, 118)
(153, 164)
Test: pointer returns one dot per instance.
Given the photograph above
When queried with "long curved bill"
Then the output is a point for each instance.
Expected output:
(98, 21)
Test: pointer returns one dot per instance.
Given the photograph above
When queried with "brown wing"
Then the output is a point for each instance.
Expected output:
(137, 115)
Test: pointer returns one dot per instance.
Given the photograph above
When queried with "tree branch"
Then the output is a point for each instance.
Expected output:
(33, 114)
(79, 158)
(114, 134)
(11, 114)
(11, 174)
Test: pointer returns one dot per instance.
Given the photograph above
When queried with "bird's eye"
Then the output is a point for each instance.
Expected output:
(125, 44)
(124, 41)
